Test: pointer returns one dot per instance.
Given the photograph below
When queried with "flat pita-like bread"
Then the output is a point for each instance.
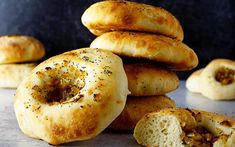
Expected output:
(174, 54)
(108, 16)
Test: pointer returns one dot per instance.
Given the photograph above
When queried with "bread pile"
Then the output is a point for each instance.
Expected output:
(149, 40)
(16, 52)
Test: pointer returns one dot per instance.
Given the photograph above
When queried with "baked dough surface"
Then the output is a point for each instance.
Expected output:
(150, 80)
(172, 53)
(18, 48)
(73, 96)
(113, 15)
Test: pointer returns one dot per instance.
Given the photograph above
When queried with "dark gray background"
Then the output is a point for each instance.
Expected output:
(209, 25)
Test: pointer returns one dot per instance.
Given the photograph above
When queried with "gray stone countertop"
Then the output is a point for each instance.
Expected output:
(10, 134)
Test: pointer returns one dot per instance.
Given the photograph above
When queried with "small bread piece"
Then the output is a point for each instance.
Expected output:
(136, 108)
(175, 54)
(73, 96)
(193, 82)
(218, 80)
(150, 80)
(113, 15)
(18, 48)
(179, 127)
(11, 75)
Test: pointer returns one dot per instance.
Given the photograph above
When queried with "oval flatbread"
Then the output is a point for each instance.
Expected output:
(18, 48)
(175, 54)
(108, 16)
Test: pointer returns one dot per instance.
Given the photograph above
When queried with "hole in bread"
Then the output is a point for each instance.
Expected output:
(225, 76)
(59, 84)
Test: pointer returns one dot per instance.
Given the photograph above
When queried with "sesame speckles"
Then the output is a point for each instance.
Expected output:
(107, 70)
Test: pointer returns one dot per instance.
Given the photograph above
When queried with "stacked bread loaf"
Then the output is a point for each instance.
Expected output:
(149, 40)
(16, 56)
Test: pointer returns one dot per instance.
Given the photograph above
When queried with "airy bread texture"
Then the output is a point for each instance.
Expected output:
(183, 127)
(12, 74)
(113, 15)
(150, 80)
(174, 54)
(18, 48)
(136, 108)
(72, 96)
(216, 81)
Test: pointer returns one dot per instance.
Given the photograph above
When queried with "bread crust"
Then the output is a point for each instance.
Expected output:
(136, 108)
(174, 54)
(85, 88)
(212, 88)
(125, 15)
(11, 75)
(150, 80)
(205, 80)
(18, 48)
(193, 82)
(222, 127)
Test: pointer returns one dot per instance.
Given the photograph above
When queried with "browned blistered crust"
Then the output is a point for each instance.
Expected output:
(172, 53)
(17, 48)
(108, 16)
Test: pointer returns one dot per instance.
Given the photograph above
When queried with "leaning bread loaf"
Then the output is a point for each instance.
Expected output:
(113, 15)
(19, 48)
(73, 96)
(136, 108)
(184, 127)
(157, 48)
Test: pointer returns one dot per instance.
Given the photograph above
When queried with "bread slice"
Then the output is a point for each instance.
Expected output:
(183, 127)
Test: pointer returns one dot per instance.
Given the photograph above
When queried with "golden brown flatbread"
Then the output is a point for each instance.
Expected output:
(18, 48)
(174, 54)
(113, 15)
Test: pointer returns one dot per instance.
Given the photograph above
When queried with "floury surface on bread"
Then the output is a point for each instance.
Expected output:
(73, 96)
(11, 75)
(216, 81)
(161, 49)
(180, 127)
(112, 15)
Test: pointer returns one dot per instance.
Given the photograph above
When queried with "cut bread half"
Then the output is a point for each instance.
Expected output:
(180, 127)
